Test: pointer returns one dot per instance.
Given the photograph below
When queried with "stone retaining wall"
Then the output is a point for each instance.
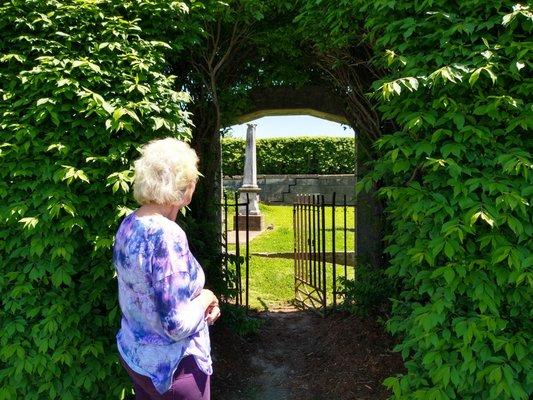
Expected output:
(282, 189)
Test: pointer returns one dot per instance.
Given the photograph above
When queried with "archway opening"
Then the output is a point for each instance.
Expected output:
(297, 155)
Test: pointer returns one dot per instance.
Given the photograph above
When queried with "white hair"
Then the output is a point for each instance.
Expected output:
(163, 172)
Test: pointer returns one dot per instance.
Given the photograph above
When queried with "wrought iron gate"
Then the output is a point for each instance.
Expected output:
(319, 254)
(236, 252)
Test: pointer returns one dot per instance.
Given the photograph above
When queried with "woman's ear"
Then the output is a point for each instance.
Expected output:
(187, 196)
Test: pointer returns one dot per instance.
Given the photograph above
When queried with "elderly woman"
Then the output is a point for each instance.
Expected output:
(164, 337)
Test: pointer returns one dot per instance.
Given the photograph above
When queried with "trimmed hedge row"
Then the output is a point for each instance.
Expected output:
(81, 86)
(305, 155)
(458, 187)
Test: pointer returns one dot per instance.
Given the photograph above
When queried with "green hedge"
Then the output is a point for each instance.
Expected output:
(458, 186)
(304, 155)
(81, 87)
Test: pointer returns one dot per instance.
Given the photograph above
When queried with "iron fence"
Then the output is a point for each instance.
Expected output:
(324, 249)
(316, 250)
(235, 258)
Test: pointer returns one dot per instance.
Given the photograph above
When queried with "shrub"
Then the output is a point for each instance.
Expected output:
(80, 88)
(367, 294)
(457, 176)
(323, 155)
(239, 321)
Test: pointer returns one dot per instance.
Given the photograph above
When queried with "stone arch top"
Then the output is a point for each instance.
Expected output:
(316, 101)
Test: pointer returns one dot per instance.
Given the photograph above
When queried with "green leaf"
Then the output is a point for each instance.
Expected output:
(45, 100)
(449, 250)
(484, 216)
(493, 76)
(29, 222)
(459, 120)
(119, 112)
(449, 275)
(474, 77)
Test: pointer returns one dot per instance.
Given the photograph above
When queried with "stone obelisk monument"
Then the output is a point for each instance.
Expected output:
(249, 188)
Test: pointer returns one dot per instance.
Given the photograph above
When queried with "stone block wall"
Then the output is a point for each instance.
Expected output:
(282, 189)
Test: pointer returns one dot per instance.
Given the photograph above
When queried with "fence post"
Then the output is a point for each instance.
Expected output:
(324, 279)
(345, 234)
(225, 243)
(247, 250)
(238, 283)
(295, 238)
(333, 250)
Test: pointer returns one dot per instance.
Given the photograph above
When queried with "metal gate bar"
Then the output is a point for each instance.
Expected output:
(312, 254)
(234, 282)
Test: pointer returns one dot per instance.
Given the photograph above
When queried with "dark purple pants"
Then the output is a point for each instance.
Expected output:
(188, 383)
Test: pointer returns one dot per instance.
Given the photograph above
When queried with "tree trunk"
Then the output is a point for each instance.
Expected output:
(205, 206)
(204, 219)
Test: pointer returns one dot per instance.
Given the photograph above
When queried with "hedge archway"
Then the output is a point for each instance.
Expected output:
(439, 93)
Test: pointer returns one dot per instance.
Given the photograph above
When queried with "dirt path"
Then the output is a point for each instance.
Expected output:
(302, 356)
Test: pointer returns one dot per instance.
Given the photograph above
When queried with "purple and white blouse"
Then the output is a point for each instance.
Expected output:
(157, 279)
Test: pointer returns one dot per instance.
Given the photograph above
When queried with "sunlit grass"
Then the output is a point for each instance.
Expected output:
(272, 281)
(272, 278)
(280, 239)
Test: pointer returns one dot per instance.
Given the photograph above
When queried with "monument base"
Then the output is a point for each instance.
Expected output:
(255, 222)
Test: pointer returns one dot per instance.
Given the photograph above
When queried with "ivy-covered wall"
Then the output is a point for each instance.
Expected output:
(80, 88)
(302, 155)
(82, 84)
(458, 188)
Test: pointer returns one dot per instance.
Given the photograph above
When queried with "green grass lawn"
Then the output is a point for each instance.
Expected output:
(271, 282)
(272, 279)
(281, 238)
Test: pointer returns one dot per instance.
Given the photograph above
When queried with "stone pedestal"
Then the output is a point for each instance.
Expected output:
(255, 222)
(249, 194)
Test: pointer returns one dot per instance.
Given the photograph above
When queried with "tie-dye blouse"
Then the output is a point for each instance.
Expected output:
(157, 279)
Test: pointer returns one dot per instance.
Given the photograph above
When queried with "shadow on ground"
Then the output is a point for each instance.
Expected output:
(299, 355)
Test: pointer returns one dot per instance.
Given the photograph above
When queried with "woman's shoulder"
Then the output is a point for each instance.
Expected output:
(155, 229)
(162, 227)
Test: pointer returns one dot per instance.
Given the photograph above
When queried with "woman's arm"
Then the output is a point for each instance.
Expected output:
(181, 316)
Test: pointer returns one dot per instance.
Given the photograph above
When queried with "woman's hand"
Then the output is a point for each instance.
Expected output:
(211, 298)
(212, 314)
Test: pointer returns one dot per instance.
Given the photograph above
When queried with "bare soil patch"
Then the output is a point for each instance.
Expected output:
(300, 355)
